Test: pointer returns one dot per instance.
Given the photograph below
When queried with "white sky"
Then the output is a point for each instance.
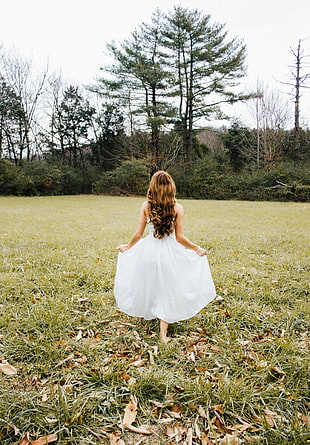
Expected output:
(72, 34)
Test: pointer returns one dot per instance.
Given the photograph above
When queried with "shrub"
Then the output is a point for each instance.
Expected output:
(131, 177)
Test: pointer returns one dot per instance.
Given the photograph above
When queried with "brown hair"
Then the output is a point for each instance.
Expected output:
(161, 202)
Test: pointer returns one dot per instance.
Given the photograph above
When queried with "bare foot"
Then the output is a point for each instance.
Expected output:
(164, 339)
(163, 331)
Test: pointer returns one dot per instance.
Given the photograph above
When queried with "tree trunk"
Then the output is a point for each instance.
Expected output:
(297, 98)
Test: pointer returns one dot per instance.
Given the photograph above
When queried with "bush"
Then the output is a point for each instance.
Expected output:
(130, 178)
(207, 179)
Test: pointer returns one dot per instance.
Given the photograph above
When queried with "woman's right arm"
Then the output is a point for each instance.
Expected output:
(180, 237)
(139, 231)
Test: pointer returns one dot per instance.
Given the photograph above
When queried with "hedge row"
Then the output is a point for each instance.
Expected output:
(205, 179)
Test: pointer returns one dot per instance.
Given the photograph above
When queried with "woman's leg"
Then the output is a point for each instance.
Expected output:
(163, 331)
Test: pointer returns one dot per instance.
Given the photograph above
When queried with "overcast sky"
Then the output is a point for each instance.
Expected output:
(71, 34)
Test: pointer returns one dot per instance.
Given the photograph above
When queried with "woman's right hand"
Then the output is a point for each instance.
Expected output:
(122, 248)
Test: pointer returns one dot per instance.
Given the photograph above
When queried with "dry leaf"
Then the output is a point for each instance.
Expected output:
(51, 421)
(130, 416)
(220, 425)
(25, 440)
(197, 429)
(7, 369)
(139, 363)
(192, 357)
(115, 438)
(277, 372)
(254, 439)
(303, 418)
(202, 412)
(270, 413)
(176, 431)
(261, 364)
(241, 427)
(79, 335)
(205, 440)
(218, 408)
(130, 412)
(44, 397)
(189, 436)
(230, 439)
(264, 419)
(139, 430)
(216, 349)
(61, 342)
(46, 439)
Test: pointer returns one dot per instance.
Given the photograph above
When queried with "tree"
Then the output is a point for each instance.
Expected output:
(204, 67)
(11, 114)
(140, 79)
(299, 82)
(108, 148)
(271, 113)
(29, 88)
(238, 141)
(71, 123)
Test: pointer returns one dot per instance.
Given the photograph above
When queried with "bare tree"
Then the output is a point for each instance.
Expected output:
(270, 110)
(299, 82)
(19, 74)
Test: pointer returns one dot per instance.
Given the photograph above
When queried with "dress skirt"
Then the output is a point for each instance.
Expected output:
(159, 278)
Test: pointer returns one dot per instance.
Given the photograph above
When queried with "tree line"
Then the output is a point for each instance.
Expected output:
(144, 113)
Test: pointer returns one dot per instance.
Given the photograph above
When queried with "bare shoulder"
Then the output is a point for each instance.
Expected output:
(144, 208)
(178, 209)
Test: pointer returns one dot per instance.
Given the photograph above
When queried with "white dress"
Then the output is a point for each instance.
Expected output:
(159, 278)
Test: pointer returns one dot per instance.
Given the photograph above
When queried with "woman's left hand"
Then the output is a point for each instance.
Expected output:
(201, 252)
(122, 247)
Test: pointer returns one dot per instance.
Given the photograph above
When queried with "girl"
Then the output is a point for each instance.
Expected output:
(164, 275)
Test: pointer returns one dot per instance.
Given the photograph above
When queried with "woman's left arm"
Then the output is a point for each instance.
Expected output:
(139, 231)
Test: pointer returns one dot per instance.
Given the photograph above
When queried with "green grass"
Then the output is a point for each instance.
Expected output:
(243, 360)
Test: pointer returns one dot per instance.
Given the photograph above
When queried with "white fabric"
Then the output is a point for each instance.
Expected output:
(159, 278)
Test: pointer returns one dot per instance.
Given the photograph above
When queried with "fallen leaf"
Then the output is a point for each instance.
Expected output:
(115, 438)
(51, 421)
(79, 335)
(240, 427)
(218, 408)
(230, 439)
(7, 369)
(139, 430)
(205, 440)
(197, 429)
(216, 349)
(303, 418)
(220, 425)
(44, 397)
(277, 372)
(25, 440)
(254, 439)
(176, 431)
(139, 363)
(130, 416)
(264, 419)
(189, 436)
(61, 342)
(261, 364)
(130, 412)
(270, 413)
(192, 357)
(44, 440)
(202, 412)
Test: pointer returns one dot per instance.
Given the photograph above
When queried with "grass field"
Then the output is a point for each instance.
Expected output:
(70, 362)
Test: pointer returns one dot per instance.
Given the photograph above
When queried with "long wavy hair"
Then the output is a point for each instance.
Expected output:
(161, 202)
